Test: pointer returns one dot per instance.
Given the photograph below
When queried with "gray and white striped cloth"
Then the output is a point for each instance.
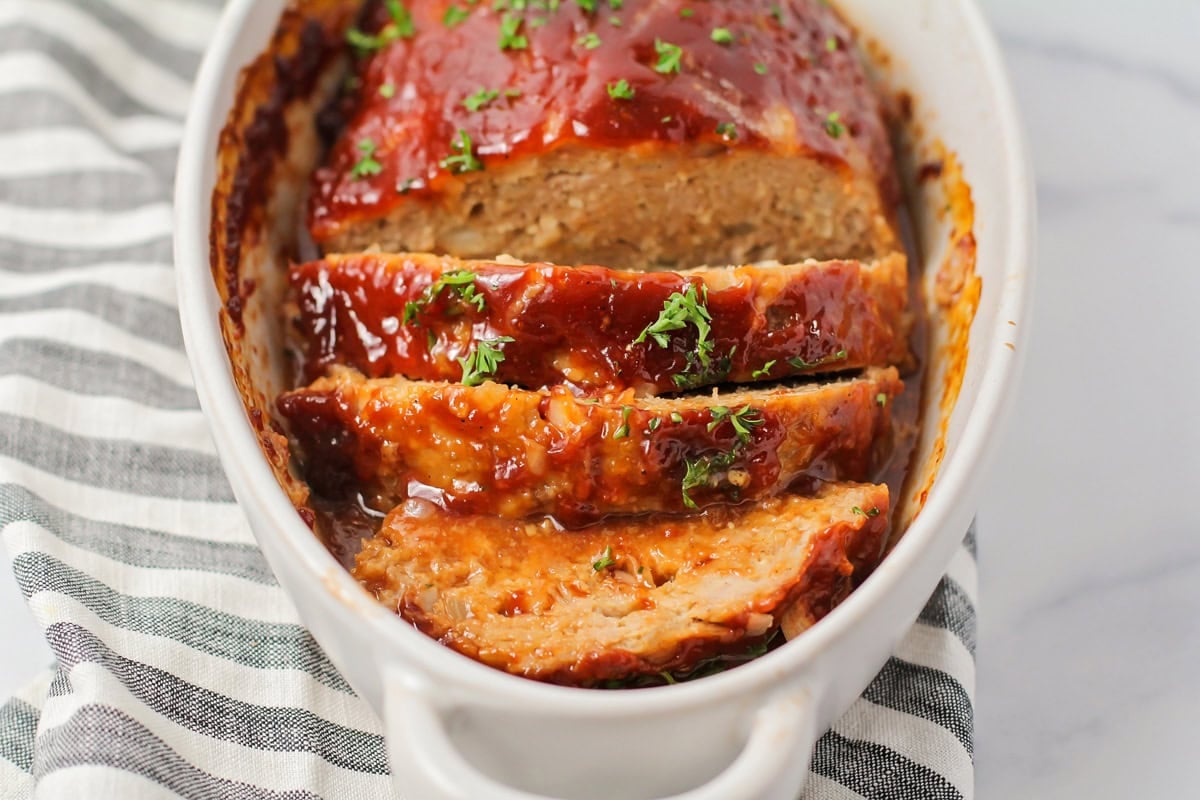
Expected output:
(181, 668)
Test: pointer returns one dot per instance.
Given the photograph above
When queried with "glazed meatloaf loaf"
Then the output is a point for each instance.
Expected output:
(626, 597)
(492, 449)
(421, 316)
(637, 134)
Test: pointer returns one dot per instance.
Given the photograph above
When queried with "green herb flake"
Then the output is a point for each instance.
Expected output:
(760, 68)
(703, 472)
(401, 18)
(722, 36)
(510, 93)
(401, 27)
(587, 6)
(464, 159)
(744, 421)
(482, 362)
(727, 131)
(680, 310)
(623, 431)
(616, 5)
(800, 363)
(589, 41)
(479, 99)
(763, 371)
(833, 124)
(684, 13)
(668, 57)
(881, 399)
(460, 281)
(387, 91)
(367, 165)
(510, 38)
(654, 423)
(676, 417)
(872, 512)
(615, 21)
(831, 44)
(776, 13)
(605, 561)
(454, 16)
(621, 90)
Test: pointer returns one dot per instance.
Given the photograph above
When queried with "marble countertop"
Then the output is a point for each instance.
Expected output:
(1090, 532)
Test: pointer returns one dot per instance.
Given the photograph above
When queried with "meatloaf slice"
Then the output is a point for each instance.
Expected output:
(632, 137)
(416, 315)
(627, 597)
(492, 449)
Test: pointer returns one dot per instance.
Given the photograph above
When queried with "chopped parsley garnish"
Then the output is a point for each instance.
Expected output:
(764, 370)
(401, 27)
(744, 420)
(800, 363)
(461, 281)
(387, 91)
(881, 399)
(464, 159)
(777, 13)
(760, 68)
(615, 5)
(512, 92)
(605, 561)
(479, 99)
(833, 124)
(668, 57)
(676, 417)
(722, 36)
(621, 90)
(510, 39)
(454, 16)
(589, 41)
(831, 44)
(481, 364)
(615, 21)
(654, 423)
(680, 310)
(727, 130)
(873, 512)
(686, 12)
(702, 471)
(366, 165)
(586, 5)
(623, 431)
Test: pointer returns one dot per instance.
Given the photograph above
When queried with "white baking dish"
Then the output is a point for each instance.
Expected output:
(460, 731)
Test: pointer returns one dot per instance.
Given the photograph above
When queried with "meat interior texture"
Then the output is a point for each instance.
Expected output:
(598, 461)
(617, 599)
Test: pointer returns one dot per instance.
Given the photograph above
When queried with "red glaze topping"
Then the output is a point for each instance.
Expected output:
(777, 75)
(578, 325)
(512, 453)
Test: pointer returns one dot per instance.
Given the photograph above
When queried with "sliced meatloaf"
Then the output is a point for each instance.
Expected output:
(626, 597)
(493, 449)
(416, 315)
(661, 132)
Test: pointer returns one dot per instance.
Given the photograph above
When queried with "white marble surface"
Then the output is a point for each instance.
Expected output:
(1090, 543)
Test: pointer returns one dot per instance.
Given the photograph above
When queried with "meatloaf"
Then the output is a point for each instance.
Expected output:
(626, 597)
(416, 315)
(493, 449)
(641, 134)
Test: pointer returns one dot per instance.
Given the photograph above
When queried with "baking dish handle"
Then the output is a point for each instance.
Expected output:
(426, 764)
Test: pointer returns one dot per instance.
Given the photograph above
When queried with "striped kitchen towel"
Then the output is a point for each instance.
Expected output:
(181, 669)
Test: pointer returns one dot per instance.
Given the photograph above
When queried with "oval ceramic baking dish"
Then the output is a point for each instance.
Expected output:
(458, 730)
